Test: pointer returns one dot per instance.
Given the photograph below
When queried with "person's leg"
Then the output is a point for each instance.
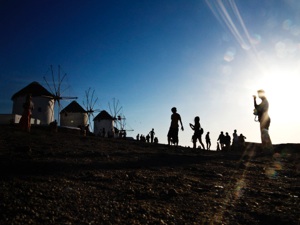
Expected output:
(201, 143)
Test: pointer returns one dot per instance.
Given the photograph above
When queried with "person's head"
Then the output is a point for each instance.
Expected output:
(221, 132)
(234, 131)
(261, 93)
(197, 119)
(227, 133)
(207, 132)
(174, 110)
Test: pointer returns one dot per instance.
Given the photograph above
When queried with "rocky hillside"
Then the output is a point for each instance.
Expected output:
(66, 178)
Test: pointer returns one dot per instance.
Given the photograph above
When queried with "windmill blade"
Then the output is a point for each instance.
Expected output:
(87, 99)
(111, 113)
(53, 80)
(48, 96)
(48, 85)
(115, 109)
(62, 98)
(93, 105)
(64, 90)
(57, 86)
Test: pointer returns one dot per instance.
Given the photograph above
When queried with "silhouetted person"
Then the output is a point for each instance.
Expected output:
(138, 137)
(142, 138)
(25, 121)
(148, 138)
(227, 141)
(173, 131)
(156, 140)
(198, 131)
(221, 140)
(152, 133)
(235, 140)
(241, 142)
(207, 139)
(261, 111)
(218, 147)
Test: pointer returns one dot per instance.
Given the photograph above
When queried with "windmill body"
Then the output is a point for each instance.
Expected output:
(73, 115)
(104, 122)
(43, 107)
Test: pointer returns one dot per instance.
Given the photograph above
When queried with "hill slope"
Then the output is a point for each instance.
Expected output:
(63, 178)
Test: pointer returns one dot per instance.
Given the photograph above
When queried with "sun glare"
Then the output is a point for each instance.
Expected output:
(281, 84)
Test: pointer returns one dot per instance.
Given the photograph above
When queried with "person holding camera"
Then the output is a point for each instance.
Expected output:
(261, 111)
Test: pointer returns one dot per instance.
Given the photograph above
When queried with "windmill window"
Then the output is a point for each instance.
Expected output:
(39, 109)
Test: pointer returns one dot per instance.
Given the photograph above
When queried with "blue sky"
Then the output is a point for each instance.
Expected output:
(207, 58)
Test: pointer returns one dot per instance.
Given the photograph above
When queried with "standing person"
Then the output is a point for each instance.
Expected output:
(138, 137)
(221, 139)
(173, 131)
(241, 142)
(207, 139)
(198, 131)
(227, 141)
(235, 136)
(152, 133)
(235, 140)
(25, 121)
(264, 119)
(148, 138)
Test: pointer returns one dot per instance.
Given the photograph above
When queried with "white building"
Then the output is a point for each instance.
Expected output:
(43, 112)
(104, 122)
(73, 115)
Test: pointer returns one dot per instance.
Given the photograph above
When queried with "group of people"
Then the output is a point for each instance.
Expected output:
(149, 138)
(260, 110)
(224, 141)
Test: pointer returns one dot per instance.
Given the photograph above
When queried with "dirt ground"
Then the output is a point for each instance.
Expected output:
(65, 178)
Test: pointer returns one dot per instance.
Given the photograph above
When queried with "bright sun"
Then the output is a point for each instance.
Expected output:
(281, 84)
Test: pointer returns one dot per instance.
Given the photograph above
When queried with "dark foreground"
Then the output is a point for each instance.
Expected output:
(69, 179)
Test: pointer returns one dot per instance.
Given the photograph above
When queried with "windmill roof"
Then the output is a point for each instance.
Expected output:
(103, 115)
(34, 88)
(73, 107)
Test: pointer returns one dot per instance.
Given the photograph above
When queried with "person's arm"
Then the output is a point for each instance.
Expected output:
(254, 99)
(181, 123)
